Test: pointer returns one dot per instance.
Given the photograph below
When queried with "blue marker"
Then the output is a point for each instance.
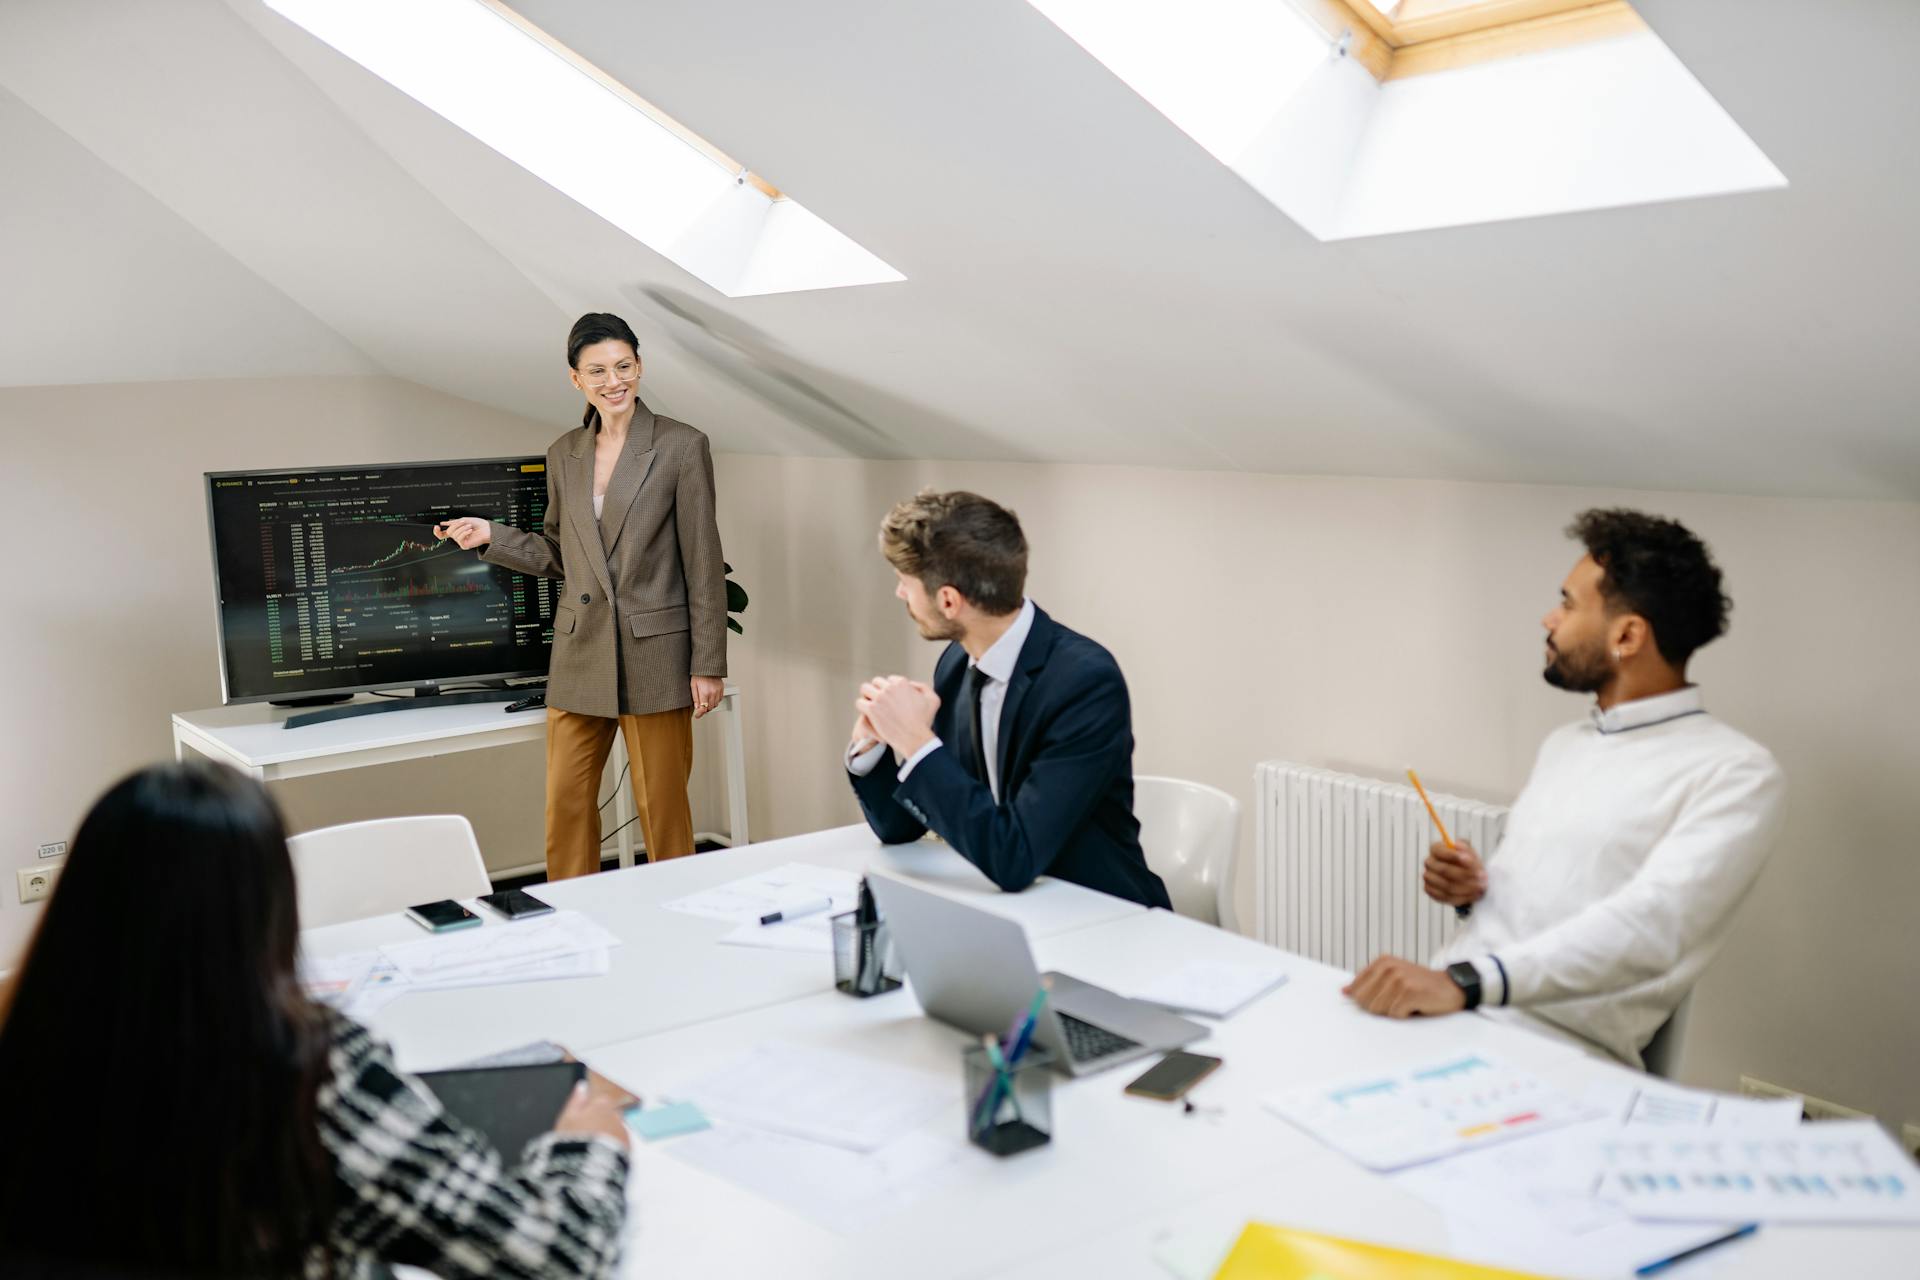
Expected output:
(1663, 1263)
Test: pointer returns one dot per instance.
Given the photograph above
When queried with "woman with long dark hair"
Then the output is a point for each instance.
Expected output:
(178, 1106)
(640, 635)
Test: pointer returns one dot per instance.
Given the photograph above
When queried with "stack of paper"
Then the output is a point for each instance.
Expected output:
(565, 944)
(1213, 988)
(821, 1095)
(796, 884)
(831, 1135)
(1666, 1168)
(358, 983)
(1674, 1106)
(841, 1190)
(1530, 1205)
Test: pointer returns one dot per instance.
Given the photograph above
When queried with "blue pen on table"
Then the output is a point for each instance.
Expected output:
(1736, 1234)
(1019, 1038)
(794, 913)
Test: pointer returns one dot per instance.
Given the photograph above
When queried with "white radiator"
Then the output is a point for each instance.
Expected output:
(1337, 861)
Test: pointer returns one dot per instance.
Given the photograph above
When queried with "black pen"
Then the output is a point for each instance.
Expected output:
(1702, 1247)
(794, 913)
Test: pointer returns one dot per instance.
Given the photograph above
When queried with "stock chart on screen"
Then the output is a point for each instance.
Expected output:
(332, 579)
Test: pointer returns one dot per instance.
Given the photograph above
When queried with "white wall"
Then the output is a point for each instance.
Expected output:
(1368, 624)
(104, 284)
(111, 627)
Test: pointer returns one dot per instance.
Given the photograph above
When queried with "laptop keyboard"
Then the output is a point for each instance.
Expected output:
(1087, 1042)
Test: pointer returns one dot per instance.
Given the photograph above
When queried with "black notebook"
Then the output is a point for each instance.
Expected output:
(508, 1106)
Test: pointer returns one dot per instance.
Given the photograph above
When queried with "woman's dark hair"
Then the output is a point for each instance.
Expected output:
(1658, 569)
(596, 326)
(961, 540)
(160, 1061)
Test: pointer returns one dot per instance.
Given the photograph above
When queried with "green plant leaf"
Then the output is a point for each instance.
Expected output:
(735, 627)
(736, 597)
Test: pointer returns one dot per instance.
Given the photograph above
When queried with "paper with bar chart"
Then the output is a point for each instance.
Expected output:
(1833, 1171)
(1390, 1120)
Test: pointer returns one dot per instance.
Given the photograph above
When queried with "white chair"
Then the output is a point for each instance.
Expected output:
(361, 869)
(1189, 832)
(1662, 1056)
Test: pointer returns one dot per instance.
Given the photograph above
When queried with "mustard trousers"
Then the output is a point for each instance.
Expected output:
(660, 752)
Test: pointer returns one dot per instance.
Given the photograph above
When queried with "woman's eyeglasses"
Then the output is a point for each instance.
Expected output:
(625, 371)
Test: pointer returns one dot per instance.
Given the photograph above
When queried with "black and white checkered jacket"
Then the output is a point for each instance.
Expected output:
(414, 1186)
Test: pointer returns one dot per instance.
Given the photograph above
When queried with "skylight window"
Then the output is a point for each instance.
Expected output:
(1366, 117)
(494, 76)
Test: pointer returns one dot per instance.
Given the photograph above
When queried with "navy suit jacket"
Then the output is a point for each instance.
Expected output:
(1065, 753)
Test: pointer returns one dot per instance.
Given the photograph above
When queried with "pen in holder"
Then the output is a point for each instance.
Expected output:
(863, 960)
(1009, 1106)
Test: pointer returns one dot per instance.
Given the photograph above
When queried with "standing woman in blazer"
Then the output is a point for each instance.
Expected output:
(640, 632)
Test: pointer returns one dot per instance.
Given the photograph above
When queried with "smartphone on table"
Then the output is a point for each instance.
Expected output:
(1168, 1079)
(515, 904)
(441, 916)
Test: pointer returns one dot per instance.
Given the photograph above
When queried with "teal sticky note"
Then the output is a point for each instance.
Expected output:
(669, 1121)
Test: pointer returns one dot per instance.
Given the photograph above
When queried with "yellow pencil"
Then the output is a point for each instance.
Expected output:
(1431, 811)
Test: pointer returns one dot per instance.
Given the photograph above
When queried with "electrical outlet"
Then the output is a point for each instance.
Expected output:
(1811, 1107)
(37, 882)
(1910, 1139)
(52, 849)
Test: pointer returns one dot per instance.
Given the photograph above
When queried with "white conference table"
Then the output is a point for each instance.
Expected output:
(1121, 1175)
(1121, 1172)
(671, 969)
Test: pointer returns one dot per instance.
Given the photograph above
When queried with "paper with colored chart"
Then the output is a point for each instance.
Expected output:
(1390, 1120)
(1833, 1171)
(1278, 1253)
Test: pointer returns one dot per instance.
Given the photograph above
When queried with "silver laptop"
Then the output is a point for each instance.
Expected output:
(974, 970)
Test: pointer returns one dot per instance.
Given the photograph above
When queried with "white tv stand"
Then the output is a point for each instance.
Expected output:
(252, 737)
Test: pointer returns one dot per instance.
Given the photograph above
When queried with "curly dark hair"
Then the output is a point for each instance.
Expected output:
(1658, 569)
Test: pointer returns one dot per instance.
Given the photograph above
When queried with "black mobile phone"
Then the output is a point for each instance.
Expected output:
(438, 917)
(1173, 1075)
(515, 904)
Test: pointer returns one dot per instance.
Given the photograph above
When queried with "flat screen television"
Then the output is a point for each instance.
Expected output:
(329, 580)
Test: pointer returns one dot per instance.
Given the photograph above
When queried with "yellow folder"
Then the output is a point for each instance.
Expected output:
(1280, 1253)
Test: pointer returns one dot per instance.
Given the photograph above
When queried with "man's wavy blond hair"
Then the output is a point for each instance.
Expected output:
(959, 540)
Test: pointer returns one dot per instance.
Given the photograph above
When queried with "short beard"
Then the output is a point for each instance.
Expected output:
(938, 629)
(1578, 673)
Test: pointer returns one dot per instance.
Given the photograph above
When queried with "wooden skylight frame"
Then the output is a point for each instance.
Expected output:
(1415, 37)
(640, 104)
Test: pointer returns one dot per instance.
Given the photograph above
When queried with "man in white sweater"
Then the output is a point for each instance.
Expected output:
(1639, 831)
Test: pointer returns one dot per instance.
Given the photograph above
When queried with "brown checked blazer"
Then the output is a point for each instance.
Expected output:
(644, 608)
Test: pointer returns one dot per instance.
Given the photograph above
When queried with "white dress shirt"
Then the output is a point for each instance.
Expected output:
(1637, 836)
(993, 670)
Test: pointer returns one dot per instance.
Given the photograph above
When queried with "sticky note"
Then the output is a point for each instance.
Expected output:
(669, 1121)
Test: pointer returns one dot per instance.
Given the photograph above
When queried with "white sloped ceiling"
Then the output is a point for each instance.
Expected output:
(1084, 282)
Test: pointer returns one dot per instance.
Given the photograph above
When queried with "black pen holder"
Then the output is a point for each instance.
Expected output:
(1012, 1111)
(863, 961)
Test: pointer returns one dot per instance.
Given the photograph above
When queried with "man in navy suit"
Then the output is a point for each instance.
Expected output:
(1020, 754)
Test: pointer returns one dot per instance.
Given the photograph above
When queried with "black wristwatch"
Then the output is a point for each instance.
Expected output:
(1467, 978)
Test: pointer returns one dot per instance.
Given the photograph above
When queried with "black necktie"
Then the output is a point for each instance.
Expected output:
(975, 756)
